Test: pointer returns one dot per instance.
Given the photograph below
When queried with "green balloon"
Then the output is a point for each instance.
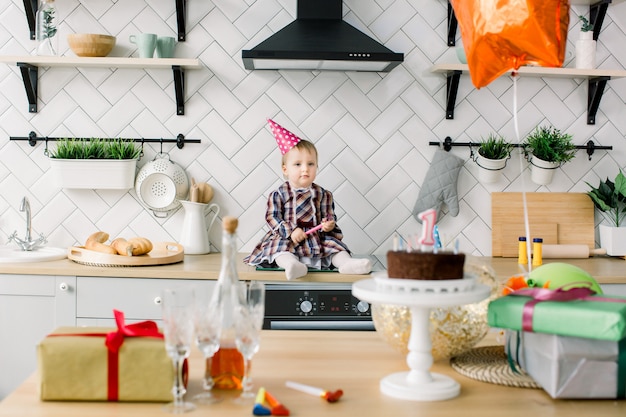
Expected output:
(559, 274)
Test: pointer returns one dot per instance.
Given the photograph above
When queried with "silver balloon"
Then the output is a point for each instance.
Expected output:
(453, 330)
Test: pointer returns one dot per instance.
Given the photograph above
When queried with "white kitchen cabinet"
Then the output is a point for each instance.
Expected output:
(31, 306)
(138, 298)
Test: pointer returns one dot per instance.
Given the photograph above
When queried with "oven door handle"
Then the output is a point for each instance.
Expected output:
(320, 325)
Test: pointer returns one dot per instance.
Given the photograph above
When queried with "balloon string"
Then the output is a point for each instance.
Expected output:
(515, 76)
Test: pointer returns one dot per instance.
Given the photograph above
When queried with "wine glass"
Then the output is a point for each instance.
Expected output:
(177, 309)
(249, 312)
(208, 328)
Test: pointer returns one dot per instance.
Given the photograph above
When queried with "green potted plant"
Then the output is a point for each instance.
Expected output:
(546, 149)
(95, 163)
(493, 152)
(610, 198)
(585, 46)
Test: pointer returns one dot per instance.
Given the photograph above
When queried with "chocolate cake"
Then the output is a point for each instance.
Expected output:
(425, 265)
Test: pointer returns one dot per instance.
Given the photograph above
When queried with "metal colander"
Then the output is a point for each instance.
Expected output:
(160, 183)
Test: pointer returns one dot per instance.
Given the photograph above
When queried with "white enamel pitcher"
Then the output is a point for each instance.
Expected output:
(195, 233)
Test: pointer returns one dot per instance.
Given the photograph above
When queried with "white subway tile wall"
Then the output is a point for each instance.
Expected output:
(372, 130)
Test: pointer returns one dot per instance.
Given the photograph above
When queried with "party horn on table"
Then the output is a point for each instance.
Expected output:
(277, 408)
(259, 409)
(330, 396)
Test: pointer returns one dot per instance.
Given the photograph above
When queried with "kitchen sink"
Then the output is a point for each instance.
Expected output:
(13, 254)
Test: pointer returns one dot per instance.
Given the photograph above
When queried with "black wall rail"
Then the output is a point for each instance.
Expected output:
(447, 144)
(180, 140)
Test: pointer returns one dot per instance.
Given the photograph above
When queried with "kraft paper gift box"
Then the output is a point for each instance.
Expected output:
(574, 347)
(74, 364)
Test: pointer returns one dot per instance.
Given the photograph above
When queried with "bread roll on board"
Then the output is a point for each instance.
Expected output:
(570, 251)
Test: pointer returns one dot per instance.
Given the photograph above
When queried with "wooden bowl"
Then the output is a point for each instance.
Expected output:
(90, 44)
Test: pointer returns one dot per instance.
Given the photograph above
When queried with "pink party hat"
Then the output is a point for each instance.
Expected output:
(284, 138)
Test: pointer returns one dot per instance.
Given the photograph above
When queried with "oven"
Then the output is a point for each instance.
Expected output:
(315, 306)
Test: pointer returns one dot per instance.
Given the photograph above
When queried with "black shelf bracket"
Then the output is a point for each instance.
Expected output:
(452, 87)
(179, 87)
(29, 76)
(595, 89)
(452, 25)
(447, 145)
(181, 18)
(180, 140)
(597, 12)
(30, 7)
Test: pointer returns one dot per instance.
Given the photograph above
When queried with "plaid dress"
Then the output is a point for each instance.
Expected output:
(289, 208)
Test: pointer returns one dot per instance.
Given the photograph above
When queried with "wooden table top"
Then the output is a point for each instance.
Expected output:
(606, 270)
(352, 361)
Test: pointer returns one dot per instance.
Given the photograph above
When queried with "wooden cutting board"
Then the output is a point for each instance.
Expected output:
(558, 218)
(162, 253)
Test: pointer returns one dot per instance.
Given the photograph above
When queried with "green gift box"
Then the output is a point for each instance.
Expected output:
(573, 348)
(595, 317)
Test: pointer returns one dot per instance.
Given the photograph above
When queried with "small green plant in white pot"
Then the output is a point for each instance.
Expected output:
(610, 199)
(547, 148)
(585, 46)
(493, 152)
(95, 163)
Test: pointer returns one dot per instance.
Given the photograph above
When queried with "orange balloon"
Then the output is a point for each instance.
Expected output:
(502, 35)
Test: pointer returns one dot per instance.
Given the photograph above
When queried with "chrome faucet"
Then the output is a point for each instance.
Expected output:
(27, 243)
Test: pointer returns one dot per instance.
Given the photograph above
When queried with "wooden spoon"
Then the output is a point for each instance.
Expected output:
(206, 192)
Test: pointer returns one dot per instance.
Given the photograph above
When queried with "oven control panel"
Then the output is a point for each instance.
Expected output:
(318, 302)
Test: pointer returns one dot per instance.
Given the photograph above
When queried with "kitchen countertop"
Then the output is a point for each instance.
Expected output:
(606, 270)
(352, 361)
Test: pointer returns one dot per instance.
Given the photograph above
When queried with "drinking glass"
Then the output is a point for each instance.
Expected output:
(177, 308)
(249, 312)
(208, 328)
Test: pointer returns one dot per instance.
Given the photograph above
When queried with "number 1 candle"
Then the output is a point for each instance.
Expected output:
(428, 218)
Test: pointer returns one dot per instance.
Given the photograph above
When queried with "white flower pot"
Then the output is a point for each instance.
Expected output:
(586, 51)
(111, 174)
(541, 172)
(489, 168)
(613, 239)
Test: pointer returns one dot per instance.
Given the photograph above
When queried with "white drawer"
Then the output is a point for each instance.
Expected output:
(137, 298)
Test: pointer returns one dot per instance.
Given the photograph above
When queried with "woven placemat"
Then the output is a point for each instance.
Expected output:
(489, 364)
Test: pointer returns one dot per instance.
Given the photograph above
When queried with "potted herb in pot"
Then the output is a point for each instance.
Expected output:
(491, 157)
(610, 198)
(546, 149)
(585, 46)
(95, 163)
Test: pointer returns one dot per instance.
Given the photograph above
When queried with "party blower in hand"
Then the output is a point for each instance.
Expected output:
(177, 308)
(250, 309)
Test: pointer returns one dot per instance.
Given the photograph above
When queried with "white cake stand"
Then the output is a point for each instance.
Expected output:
(419, 384)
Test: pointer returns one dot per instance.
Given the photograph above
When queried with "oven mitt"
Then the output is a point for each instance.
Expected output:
(439, 186)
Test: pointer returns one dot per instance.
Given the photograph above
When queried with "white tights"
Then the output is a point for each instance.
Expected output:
(346, 264)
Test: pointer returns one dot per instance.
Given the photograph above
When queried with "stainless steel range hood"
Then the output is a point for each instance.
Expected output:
(319, 39)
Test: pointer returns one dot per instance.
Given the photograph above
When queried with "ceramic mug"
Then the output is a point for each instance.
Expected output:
(165, 46)
(146, 43)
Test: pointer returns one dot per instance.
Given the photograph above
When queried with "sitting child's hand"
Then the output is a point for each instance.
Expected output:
(328, 225)
(297, 236)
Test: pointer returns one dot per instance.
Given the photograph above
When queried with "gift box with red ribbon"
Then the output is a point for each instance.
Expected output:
(105, 364)
(571, 342)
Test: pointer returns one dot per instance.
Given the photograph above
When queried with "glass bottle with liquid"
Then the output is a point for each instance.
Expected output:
(226, 366)
(46, 27)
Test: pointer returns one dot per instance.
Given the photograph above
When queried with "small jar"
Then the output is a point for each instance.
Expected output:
(522, 255)
(537, 251)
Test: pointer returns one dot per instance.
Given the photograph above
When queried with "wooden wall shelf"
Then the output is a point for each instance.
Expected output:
(29, 67)
(596, 79)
